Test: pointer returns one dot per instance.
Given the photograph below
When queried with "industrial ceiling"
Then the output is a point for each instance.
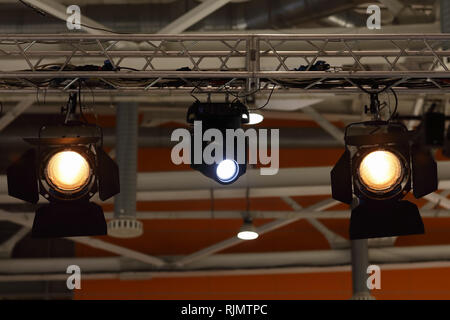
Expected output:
(164, 55)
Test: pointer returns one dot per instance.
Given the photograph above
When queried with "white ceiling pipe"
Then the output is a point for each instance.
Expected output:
(11, 266)
(192, 180)
(237, 214)
(232, 261)
(287, 182)
(286, 177)
(143, 275)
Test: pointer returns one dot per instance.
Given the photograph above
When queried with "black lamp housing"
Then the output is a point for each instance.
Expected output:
(446, 144)
(383, 214)
(434, 128)
(219, 116)
(67, 213)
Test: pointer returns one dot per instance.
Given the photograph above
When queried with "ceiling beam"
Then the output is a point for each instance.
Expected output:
(334, 240)
(434, 204)
(59, 11)
(438, 199)
(418, 107)
(27, 222)
(16, 111)
(273, 225)
(325, 123)
(304, 181)
(143, 275)
(6, 248)
(395, 7)
(237, 214)
(193, 16)
(432, 256)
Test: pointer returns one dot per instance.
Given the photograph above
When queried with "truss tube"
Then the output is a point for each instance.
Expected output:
(224, 74)
(154, 91)
(150, 91)
(224, 54)
(229, 36)
(257, 47)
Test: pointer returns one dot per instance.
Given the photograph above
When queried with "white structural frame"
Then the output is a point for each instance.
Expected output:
(224, 62)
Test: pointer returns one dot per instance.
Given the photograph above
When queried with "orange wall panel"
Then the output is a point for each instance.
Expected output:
(284, 286)
(395, 284)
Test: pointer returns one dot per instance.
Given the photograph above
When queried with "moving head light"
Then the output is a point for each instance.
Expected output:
(220, 116)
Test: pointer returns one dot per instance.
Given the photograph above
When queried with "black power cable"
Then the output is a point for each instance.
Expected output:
(396, 105)
(267, 102)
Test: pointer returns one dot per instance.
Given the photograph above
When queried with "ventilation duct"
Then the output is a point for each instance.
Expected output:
(124, 224)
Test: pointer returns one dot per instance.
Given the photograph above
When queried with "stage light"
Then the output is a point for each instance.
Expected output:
(381, 162)
(68, 171)
(68, 166)
(228, 167)
(227, 170)
(247, 231)
(380, 170)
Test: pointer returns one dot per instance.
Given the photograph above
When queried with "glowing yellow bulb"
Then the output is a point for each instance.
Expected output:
(68, 170)
(380, 170)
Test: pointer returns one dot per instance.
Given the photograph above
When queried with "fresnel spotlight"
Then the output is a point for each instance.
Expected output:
(67, 166)
(382, 159)
(229, 165)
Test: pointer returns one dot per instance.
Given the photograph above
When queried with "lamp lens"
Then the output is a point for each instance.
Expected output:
(380, 170)
(247, 235)
(255, 118)
(68, 171)
(227, 170)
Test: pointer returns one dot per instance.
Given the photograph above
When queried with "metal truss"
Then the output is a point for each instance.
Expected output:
(243, 63)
